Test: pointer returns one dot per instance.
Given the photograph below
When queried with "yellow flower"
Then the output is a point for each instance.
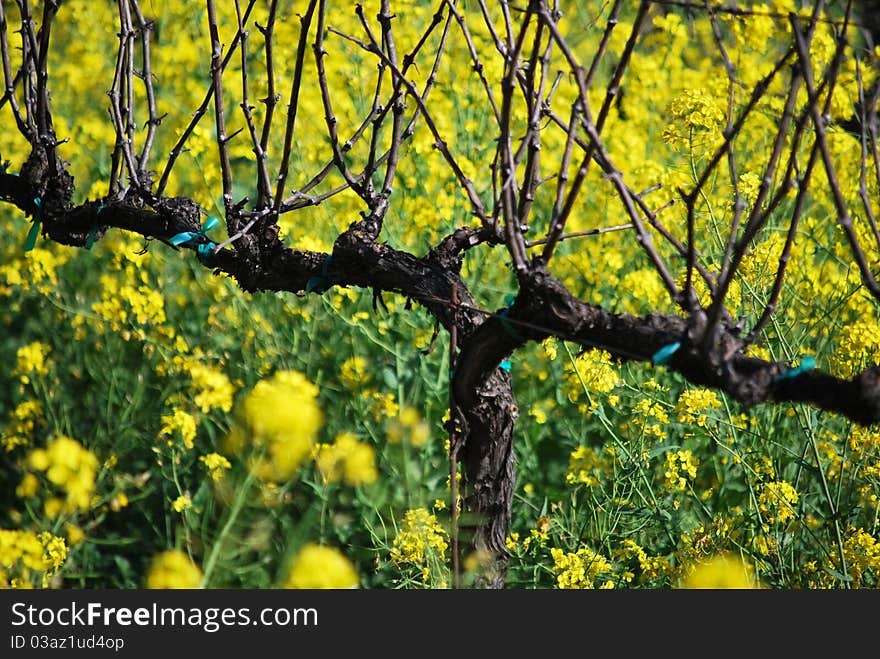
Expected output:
(862, 553)
(216, 465)
(70, 466)
(347, 459)
(173, 569)
(693, 402)
(749, 183)
(695, 119)
(20, 430)
(353, 373)
(181, 503)
(581, 569)
(54, 550)
(28, 487)
(75, 534)
(585, 465)
(410, 427)
(681, 469)
(721, 571)
(419, 534)
(119, 502)
(31, 360)
(776, 500)
(281, 419)
(321, 567)
(213, 387)
(181, 422)
(592, 370)
(25, 555)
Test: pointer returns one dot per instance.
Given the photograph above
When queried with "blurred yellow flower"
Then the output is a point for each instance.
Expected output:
(347, 459)
(69, 465)
(316, 566)
(23, 421)
(172, 569)
(280, 418)
(353, 373)
(721, 571)
(213, 387)
(31, 360)
(409, 427)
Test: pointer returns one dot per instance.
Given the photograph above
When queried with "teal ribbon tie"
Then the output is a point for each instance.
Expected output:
(320, 284)
(665, 353)
(31, 241)
(808, 363)
(505, 321)
(90, 239)
(198, 240)
(505, 365)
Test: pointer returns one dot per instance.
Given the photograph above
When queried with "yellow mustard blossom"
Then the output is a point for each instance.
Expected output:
(671, 24)
(777, 500)
(723, 571)
(70, 466)
(354, 374)
(695, 120)
(749, 183)
(172, 569)
(861, 551)
(118, 502)
(858, 344)
(651, 567)
(35, 270)
(181, 422)
(347, 459)
(863, 442)
(382, 405)
(28, 487)
(693, 403)
(584, 466)
(31, 360)
(213, 387)
(582, 569)
(419, 533)
(123, 305)
(75, 534)
(26, 556)
(23, 421)
(650, 418)
(550, 346)
(681, 469)
(592, 370)
(280, 420)
(216, 465)
(316, 566)
(181, 503)
(410, 427)
(649, 293)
